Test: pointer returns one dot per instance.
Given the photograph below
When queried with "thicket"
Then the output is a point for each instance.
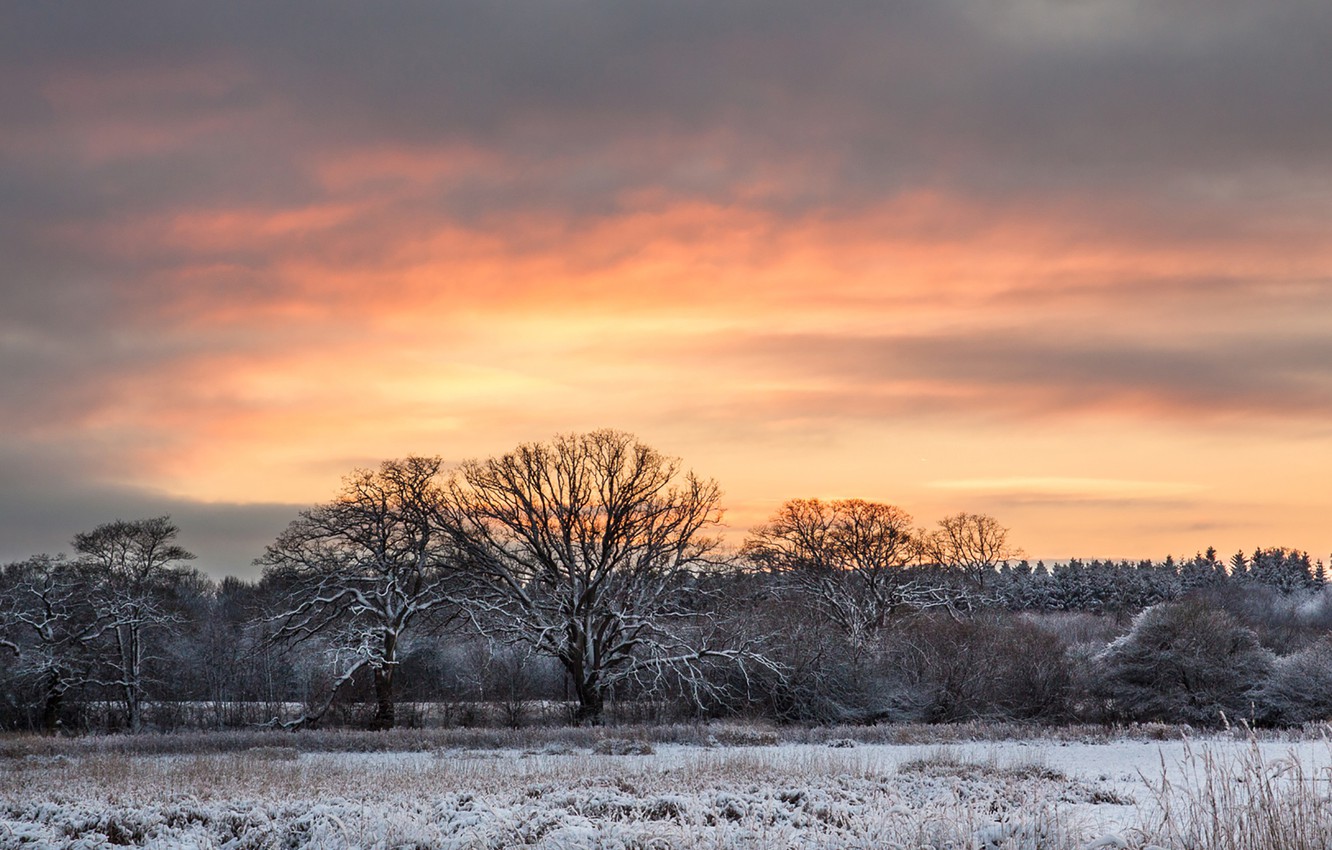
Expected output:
(579, 581)
(1234, 650)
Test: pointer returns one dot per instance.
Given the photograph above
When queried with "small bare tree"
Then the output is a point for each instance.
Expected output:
(364, 572)
(584, 549)
(974, 544)
(132, 567)
(850, 557)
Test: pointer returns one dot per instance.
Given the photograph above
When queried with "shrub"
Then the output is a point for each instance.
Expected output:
(1300, 687)
(1182, 662)
(989, 667)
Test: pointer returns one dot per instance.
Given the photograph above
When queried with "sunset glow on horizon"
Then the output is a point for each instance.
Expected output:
(1065, 264)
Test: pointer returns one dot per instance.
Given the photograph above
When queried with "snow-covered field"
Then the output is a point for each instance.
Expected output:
(1018, 794)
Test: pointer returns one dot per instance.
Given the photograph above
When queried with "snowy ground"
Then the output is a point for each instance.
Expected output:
(1017, 794)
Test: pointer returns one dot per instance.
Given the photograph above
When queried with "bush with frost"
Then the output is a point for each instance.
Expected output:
(1182, 662)
(1300, 687)
(989, 666)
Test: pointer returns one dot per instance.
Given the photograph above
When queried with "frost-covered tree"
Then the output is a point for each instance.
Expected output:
(584, 549)
(364, 572)
(849, 558)
(47, 612)
(1300, 687)
(1071, 588)
(1284, 570)
(132, 567)
(1239, 565)
(1201, 572)
(222, 658)
(1182, 662)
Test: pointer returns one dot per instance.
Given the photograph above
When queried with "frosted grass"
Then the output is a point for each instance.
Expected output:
(1030, 795)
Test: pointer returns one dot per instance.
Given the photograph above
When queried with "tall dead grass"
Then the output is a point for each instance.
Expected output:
(1249, 802)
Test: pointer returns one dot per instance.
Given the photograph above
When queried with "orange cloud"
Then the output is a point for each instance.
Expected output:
(275, 345)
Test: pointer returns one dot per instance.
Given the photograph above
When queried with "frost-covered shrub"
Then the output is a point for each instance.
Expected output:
(988, 667)
(816, 682)
(1182, 663)
(1300, 687)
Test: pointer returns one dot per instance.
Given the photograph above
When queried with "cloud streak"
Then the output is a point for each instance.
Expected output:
(1037, 372)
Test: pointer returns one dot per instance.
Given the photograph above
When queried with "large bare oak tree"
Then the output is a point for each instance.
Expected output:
(583, 548)
(46, 609)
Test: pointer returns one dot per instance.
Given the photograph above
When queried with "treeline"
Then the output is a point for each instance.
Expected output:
(1124, 586)
(583, 577)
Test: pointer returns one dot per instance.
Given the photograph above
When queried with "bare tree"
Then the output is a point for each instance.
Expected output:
(49, 610)
(132, 565)
(584, 549)
(975, 544)
(365, 571)
(850, 557)
(9, 625)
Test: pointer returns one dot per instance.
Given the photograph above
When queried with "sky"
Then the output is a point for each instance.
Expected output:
(1065, 262)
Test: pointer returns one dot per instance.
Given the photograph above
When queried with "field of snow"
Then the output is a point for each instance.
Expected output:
(839, 794)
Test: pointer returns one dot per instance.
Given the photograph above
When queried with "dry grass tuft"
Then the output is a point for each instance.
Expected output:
(273, 753)
(735, 735)
(622, 747)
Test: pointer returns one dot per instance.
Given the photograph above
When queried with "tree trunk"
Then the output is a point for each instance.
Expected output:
(134, 713)
(52, 706)
(134, 681)
(385, 714)
(590, 707)
(385, 711)
(591, 701)
(127, 638)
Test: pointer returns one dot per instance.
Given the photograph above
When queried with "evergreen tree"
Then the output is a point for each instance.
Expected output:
(1283, 570)
(1239, 565)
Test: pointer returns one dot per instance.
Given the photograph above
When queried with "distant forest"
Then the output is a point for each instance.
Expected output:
(582, 580)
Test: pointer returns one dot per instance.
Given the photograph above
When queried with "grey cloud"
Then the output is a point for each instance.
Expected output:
(50, 496)
(1041, 372)
(1192, 120)
(55, 373)
(873, 97)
